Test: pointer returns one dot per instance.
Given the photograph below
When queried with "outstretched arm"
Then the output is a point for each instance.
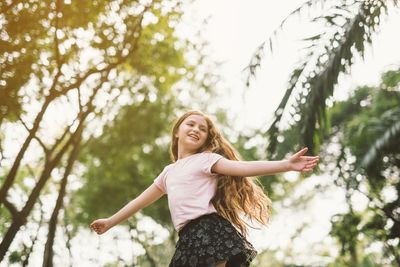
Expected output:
(150, 195)
(297, 162)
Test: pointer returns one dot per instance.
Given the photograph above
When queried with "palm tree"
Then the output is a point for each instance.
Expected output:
(366, 127)
(351, 25)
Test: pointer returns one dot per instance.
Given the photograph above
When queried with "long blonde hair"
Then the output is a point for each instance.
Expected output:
(234, 195)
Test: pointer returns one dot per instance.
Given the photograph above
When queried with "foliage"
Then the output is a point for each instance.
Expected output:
(357, 125)
(23, 43)
(118, 62)
(327, 54)
(365, 128)
(374, 111)
(123, 161)
(5, 218)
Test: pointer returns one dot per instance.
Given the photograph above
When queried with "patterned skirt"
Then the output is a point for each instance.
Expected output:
(211, 239)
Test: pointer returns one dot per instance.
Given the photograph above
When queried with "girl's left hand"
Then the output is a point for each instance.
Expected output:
(298, 162)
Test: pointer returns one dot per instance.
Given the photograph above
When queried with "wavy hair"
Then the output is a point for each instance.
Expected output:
(235, 196)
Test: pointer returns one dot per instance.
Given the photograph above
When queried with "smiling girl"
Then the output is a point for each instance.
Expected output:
(209, 191)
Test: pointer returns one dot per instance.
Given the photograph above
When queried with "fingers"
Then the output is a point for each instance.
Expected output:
(96, 227)
(310, 166)
(313, 161)
(301, 152)
(310, 160)
(98, 230)
(93, 225)
(310, 157)
(308, 169)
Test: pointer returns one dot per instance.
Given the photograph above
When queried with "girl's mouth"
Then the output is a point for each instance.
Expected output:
(194, 137)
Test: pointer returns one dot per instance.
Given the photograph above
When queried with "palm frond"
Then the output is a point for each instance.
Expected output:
(255, 61)
(358, 32)
(335, 57)
(389, 138)
(273, 130)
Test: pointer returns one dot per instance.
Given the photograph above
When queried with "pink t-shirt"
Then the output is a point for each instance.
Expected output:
(190, 186)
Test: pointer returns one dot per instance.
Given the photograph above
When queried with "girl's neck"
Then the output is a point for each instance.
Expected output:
(185, 154)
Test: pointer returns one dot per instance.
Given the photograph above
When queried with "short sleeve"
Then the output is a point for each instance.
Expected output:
(210, 160)
(160, 181)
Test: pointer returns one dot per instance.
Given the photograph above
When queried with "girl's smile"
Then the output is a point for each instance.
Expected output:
(192, 134)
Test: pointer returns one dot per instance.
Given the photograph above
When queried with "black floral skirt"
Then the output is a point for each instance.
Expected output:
(211, 239)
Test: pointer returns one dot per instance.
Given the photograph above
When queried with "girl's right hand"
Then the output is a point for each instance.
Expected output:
(101, 226)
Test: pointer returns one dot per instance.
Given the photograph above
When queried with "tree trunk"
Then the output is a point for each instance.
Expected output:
(34, 239)
(13, 171)
(49, 166)
(151, 260)
(48, 251)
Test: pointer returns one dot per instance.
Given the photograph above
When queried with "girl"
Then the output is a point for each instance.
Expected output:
(209, 191)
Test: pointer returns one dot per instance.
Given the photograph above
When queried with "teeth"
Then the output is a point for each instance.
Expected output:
(194, 137)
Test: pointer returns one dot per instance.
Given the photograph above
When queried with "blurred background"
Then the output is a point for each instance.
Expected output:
(89, 91)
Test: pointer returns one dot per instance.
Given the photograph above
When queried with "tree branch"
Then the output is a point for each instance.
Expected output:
(35, 136)
(11, 208)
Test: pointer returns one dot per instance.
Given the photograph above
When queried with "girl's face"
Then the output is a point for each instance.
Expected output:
(193, 132)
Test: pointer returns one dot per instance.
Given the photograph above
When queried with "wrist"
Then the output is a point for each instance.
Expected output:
(111, 222)
(287, 166)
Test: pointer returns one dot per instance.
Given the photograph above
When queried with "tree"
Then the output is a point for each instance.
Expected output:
(349, 28)
(91, 58)
(366, 128)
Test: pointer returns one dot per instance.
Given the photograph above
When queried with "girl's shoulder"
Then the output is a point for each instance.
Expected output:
(208, 152)
(166, 168)
(209, 155)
